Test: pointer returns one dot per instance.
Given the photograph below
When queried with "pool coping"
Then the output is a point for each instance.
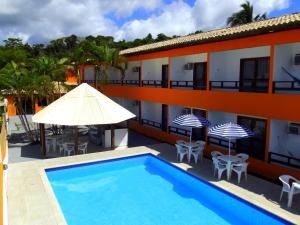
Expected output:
(42, 166)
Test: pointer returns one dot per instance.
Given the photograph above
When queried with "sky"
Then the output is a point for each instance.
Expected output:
(38, 21)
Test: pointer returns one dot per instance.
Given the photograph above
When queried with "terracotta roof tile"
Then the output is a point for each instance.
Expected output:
(290, 21)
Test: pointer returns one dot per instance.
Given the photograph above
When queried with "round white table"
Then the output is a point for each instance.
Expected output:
(229, 159)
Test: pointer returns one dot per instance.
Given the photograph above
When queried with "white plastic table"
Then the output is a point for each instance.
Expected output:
(229, 159)
(295, 185)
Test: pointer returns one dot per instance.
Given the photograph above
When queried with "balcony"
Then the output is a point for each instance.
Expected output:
(286, 87)
(188, 84)
(179, 131)
(151, 123)
(260, 86)
(284, 160)
(155, 83)
(125, 82)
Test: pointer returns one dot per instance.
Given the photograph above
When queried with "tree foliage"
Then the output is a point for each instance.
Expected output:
(245, 15)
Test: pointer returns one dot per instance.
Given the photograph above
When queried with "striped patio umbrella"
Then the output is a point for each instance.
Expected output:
(192, 121)
(230, 131)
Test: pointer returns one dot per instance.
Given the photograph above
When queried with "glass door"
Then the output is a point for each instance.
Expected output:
(164, 117)
(164, 79)
(199, 76)
(198, 133)
(254, 146)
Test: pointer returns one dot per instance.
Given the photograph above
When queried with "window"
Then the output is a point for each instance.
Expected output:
(254, 74)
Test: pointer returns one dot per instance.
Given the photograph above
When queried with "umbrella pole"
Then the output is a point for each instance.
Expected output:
(76, 140)
(229, 146)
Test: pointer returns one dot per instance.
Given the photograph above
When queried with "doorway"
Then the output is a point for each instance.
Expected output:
(256, 145)
(164, 117)
(164, 76)
(199, 76)
(199, 133)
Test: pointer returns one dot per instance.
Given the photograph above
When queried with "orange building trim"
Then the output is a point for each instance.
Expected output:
(275, 106)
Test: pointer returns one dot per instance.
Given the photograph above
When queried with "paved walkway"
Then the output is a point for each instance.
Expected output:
(32, 202)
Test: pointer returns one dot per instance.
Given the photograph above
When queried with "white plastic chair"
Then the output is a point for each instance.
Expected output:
(244, 157)
(295, 189)
(286, 187)
(240, 168)
(68, 148)
(218, 166)
(83, 148)
(181, 152)
(197, 153)
(216, 154)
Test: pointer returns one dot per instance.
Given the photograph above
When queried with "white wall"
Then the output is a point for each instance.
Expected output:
(177, 66)
(151, 111)
(129, 74)
(217, 117)
(151, 69)
(89, 72)
(284, 56)
(226, 65)
(281, 141)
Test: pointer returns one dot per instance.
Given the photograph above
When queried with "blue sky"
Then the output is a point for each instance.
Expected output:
(40, 21)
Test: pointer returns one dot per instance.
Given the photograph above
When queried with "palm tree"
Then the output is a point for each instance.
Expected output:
(245, 15)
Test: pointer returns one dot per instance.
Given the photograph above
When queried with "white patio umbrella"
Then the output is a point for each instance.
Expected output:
(230, 131)
(84, 105)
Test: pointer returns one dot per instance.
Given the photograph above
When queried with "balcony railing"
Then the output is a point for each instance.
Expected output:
(118, 82)
(285, 86)
(88, 81)
(151, 123)
(243, 86)
(221, 142)
(180, 131)
(155, 83)
(284, 160)
(187, 84)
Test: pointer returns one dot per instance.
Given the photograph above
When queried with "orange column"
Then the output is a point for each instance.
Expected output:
(11, 108)
(271, 70)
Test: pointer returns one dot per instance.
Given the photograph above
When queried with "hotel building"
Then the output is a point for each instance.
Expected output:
(248, 74)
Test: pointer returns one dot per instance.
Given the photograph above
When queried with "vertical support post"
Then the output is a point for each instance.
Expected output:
(268, 135)
(169, 72)
(42, 138)
(76, 140)
(208, 72)
(271, 69)
(112, 137)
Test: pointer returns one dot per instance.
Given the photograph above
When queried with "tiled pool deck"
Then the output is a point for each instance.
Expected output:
(32, 202)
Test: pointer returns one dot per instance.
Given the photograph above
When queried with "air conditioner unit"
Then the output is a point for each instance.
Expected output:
(294, 128)
(189, 66)
(297, 59)
(136, 69)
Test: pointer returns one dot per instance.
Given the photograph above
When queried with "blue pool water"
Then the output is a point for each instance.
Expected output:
(145, 190)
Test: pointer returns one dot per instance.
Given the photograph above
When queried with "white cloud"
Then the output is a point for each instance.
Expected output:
(42, 20)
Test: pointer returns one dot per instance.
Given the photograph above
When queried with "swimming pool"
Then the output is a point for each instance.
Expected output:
(144, 190)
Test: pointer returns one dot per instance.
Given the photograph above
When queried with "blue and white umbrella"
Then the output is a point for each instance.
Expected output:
(192, 121)
(230, 131)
